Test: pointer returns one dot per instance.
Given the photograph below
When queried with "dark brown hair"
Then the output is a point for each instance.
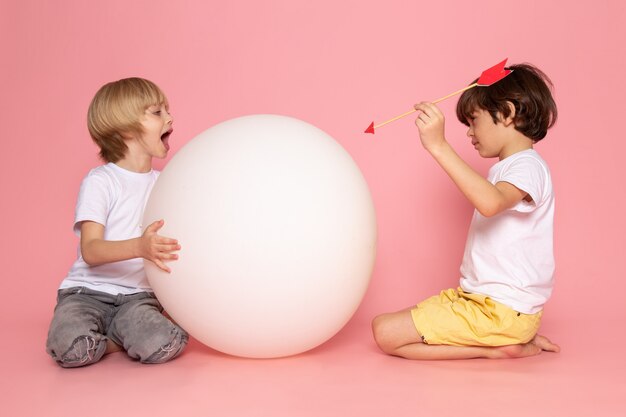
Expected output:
(527, 88)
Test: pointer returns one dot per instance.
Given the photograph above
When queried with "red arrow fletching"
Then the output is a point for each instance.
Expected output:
(493, 74)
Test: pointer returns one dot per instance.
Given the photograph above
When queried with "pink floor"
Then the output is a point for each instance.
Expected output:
(347, 376)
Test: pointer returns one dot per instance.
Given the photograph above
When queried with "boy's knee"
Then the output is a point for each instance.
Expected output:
(84, 350)
(389, 332)
(170, 350)
(147, 335)
(381, 332)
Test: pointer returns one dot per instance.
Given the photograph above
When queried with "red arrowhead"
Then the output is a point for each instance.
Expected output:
(370, 128)
(493, 74)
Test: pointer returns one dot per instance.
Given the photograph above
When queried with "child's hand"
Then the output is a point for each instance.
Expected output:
(430, 123)
(157, 248)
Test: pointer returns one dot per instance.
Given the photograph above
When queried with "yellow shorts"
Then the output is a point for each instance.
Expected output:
(457, 318)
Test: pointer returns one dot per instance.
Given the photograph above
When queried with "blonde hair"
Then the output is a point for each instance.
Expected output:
(116, 111)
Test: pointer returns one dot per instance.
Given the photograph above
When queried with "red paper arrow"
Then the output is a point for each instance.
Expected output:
(493, 74)
(488, 77)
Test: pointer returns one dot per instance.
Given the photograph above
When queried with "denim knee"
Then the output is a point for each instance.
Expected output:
(145, 333)
(169, 350)
(84, 350)
(75, 336)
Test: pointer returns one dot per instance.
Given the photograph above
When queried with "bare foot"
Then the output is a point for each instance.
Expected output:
(516, 351)
(545, 344)
(532, 348)
(112, 347)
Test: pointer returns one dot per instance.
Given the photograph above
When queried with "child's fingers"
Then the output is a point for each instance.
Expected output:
(436, 111)
(429, 108)
(424, 117)
(423, 105)
(165, 256)
(162, 266)
(423, 121)
(155, 226)
(168, 248)
(419, 106)
(166, 240)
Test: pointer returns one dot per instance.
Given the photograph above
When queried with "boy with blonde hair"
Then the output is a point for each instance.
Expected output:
(105, 302)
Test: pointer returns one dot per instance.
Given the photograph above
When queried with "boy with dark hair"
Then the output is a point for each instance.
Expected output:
(508, 264)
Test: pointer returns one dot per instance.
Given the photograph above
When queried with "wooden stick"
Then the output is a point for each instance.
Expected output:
(455, 93)
(434, 102)
(394, 119)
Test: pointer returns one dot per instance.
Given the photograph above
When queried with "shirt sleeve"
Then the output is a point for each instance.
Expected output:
(529, 175)
(94, 201)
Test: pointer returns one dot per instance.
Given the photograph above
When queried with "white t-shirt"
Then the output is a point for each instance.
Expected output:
(509, 257)
(115, 198)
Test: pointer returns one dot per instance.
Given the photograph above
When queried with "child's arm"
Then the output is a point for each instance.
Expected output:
(488, 199)
(151, 246)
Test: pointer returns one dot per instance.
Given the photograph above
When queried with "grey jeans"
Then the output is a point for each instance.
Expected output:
(84, 319)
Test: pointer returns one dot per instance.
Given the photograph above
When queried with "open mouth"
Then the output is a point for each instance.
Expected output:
(165, 137)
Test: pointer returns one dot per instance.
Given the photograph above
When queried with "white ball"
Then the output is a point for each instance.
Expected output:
(278, 236)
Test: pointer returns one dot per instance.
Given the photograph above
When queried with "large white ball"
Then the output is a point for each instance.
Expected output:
(278, 236)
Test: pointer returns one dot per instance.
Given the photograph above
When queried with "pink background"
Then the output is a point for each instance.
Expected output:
(338, 65)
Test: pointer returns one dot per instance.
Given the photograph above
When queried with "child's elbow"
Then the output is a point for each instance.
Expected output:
(88, 260)
(87, 256)
(489, 210)
(487, 213)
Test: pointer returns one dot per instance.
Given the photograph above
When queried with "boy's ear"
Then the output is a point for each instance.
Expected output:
(510, 119)
(127, 135)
